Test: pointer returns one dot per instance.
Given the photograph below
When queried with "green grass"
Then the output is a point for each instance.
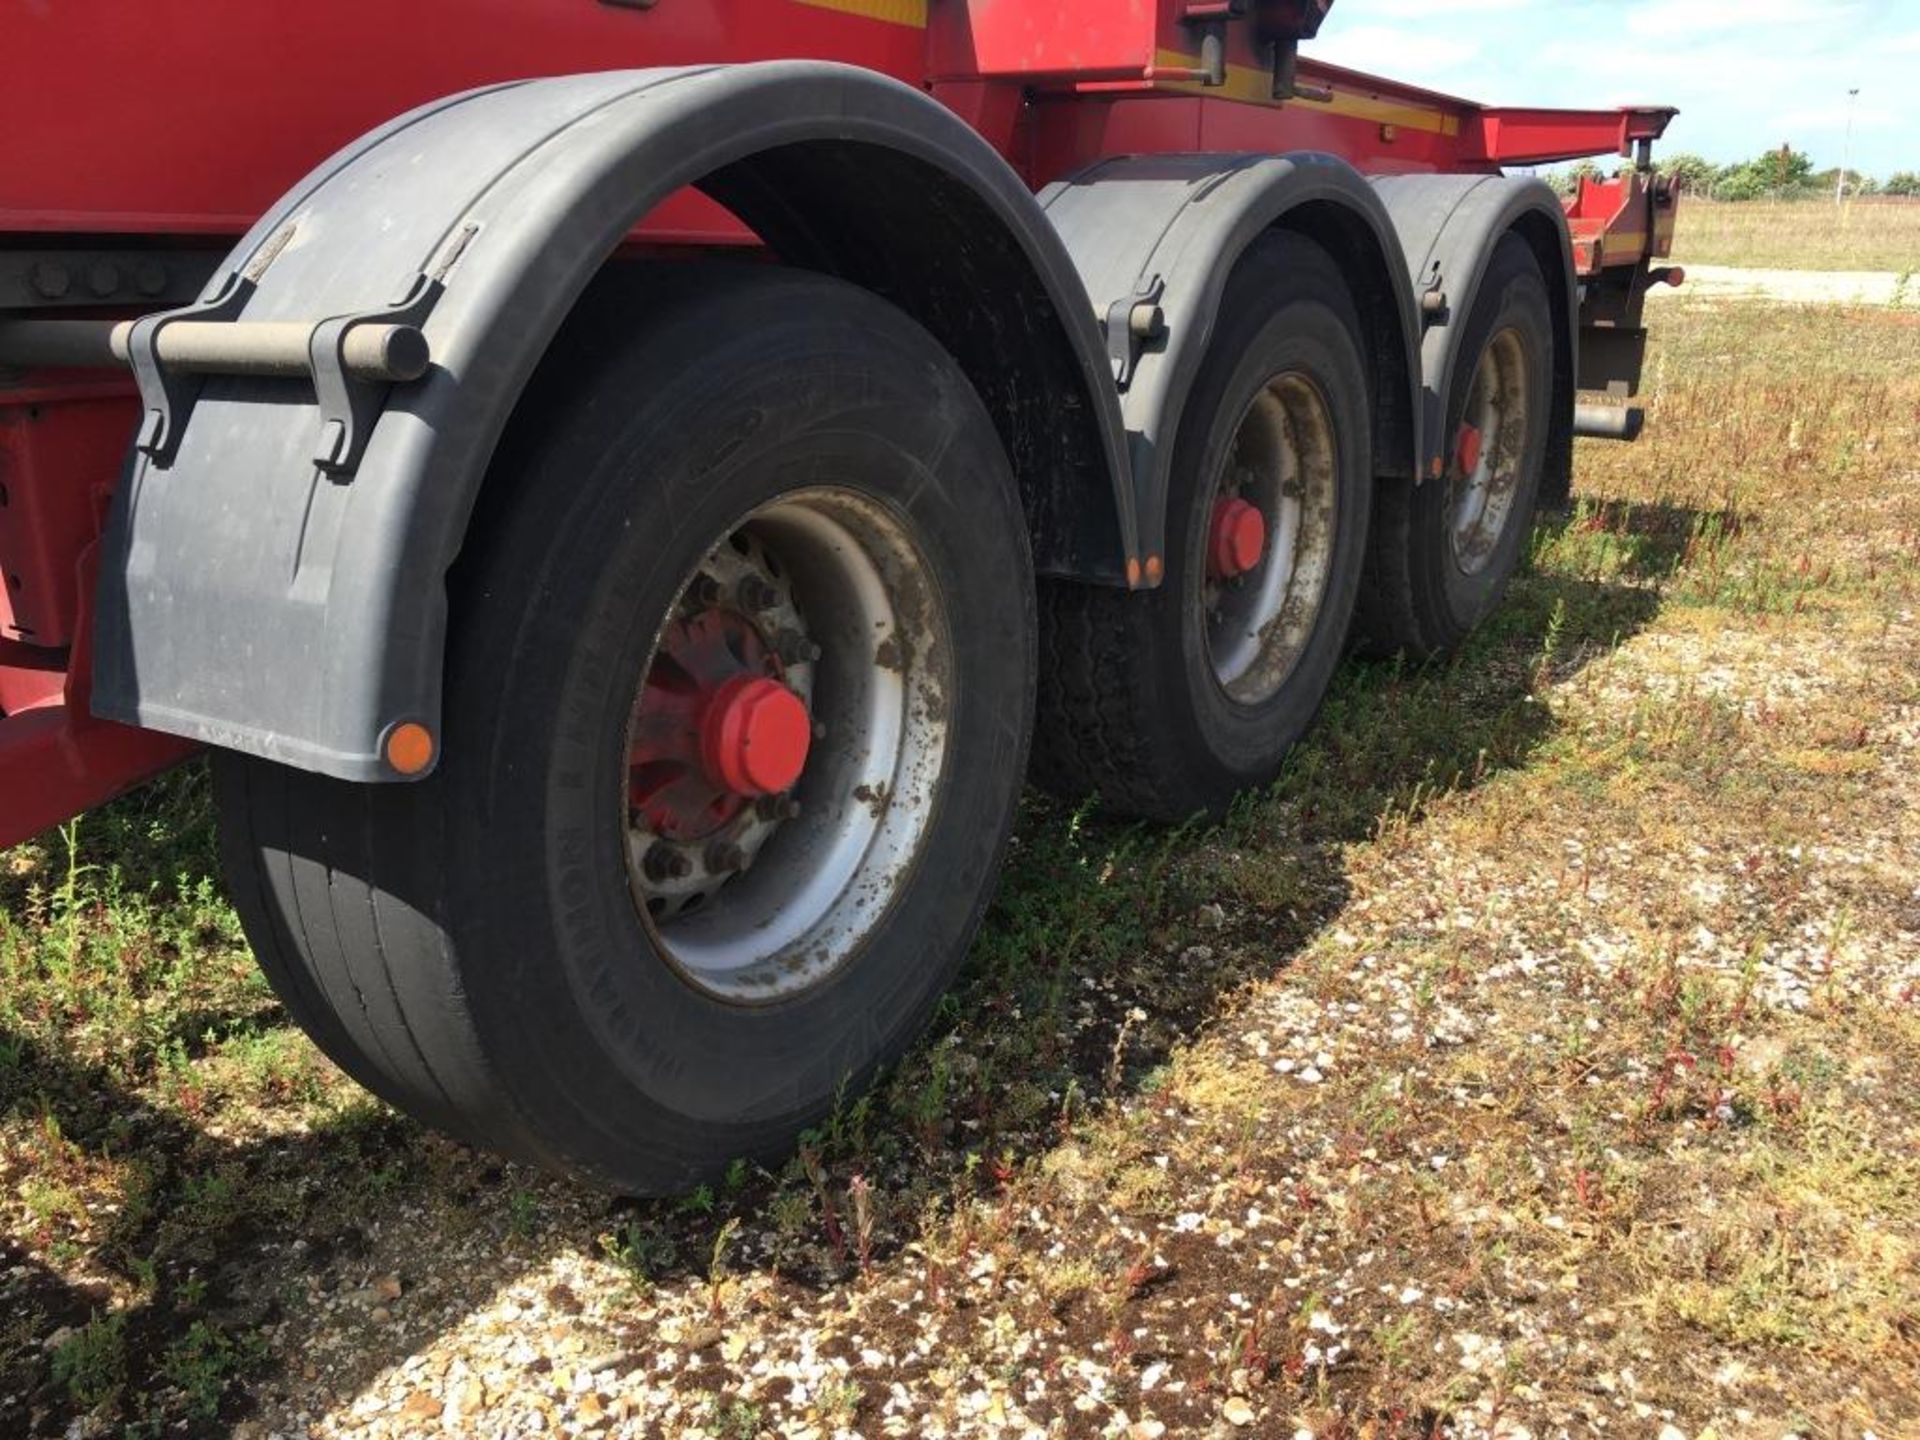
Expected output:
(1800, 234)
(91, 1364)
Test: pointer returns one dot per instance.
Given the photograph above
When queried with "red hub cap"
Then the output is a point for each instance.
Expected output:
(716, 727)
(1236, 538)
(753, 736)
(1467, 452)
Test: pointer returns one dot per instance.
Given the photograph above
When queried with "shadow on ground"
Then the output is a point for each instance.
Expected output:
(1095, 922)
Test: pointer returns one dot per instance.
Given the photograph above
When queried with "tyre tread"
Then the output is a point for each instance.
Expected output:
(1087, 739)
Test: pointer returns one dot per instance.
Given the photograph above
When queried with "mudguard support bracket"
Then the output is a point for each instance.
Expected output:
(349, 404)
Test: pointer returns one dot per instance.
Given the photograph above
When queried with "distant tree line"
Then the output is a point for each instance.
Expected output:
(1782, 174)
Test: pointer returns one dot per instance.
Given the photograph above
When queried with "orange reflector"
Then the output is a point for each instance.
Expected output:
(409, 748)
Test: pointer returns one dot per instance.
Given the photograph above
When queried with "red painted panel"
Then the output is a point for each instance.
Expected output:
(61, 448)
(185, 116)
(1622, 221)
(55, 758)
(1071, 132)
(1546, 137)
(52, 768)
(1019, 38)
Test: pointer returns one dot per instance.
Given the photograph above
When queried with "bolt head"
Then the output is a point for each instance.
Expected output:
(51, 280)
(666, 862)
(755, 594)
(723, 856)
(776, 807)
(793, 648)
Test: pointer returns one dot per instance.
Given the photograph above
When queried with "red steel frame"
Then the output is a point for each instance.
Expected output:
(172, 123)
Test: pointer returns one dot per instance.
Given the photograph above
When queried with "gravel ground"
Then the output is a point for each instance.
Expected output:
(467, 1334)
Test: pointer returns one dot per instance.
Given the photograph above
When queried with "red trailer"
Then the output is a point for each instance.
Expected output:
(619, 532)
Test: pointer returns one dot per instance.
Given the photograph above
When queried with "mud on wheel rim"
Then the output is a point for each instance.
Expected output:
(1489, 453)
(1270, 539)
(786, 744)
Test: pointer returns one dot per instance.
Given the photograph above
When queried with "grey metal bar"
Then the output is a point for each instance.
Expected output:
(57, 342)
(381, 352)
(1609, 422)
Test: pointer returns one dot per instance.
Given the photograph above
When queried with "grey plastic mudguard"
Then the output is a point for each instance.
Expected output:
(1448, 226)
(1173, 225)
(252, 600)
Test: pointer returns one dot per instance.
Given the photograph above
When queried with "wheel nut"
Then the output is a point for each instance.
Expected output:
(724, 856)
(793, 648)
(666, 862)
(776, 807)
(754, 593)
(704, 591)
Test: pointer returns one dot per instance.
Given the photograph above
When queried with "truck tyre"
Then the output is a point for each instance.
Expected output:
(737, 705)
(1167, 702)
(1443, 551)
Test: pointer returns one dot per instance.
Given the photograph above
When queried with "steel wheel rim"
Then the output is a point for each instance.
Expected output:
(860, 637)
(1282, 460)
(1482, 495)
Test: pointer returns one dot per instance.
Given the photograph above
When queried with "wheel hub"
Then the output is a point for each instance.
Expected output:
(1269, 539)
(1467, 452)
(1488, 453)
(715, 729)
(754, 734)
(786, 744)
(1236, 539)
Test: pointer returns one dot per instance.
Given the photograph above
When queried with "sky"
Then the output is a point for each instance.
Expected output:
(1746, 74)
